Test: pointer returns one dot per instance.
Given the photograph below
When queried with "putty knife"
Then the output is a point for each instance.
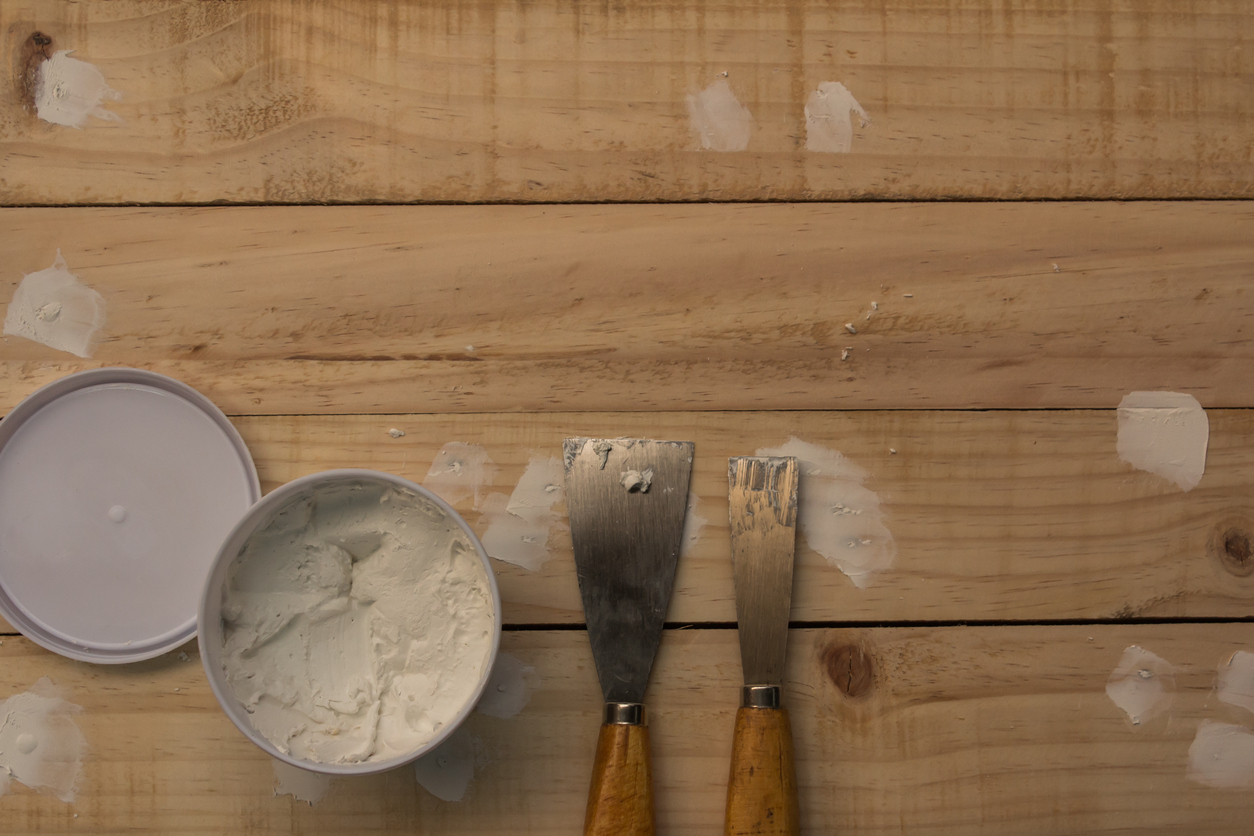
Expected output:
(762, 509)
(627, 499)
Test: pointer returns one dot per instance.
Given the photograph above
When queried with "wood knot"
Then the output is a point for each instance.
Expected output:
(35, 50)
(1230, 545)
(850, 669)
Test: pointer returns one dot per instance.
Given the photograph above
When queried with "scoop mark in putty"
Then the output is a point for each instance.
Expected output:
(54, 308)
(40, 744)
(68, 90)
(301, 784)
(1222, 756)
(719, 120)
(509, 687)
(1165, 433)
(448, 770)
(840, 518)
(829, 126)
(459, 471)
(1142, 684)
(519, 526)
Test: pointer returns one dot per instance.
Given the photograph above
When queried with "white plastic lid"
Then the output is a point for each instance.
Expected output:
(117, 486)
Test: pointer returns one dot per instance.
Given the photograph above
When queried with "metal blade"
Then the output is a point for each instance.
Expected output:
(627, 499)
(762, 509)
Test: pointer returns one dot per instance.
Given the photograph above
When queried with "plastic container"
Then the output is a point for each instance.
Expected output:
(116, 488)
(211, 627)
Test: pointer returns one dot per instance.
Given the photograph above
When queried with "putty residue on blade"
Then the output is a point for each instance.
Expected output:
(840, 517)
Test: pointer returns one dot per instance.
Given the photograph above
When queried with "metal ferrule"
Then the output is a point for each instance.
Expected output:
(624, 714)
(760, 696)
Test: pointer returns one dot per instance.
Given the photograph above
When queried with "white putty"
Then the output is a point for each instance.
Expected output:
(68, 90)
(840, 518)
(1222, 756)
(446, 772)
(460, 471)
(509, 687)
(719, 120)
(1164, 433)
(40, 744)
(357, 624)
(829, 127)
(55, 308)
(395, 433)
(693, 523)
(1141, 684)
(1236, 680)
(519, 526)
(637, 481)
(301, 784)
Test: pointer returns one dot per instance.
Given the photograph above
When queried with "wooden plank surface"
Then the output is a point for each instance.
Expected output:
(1019, 516)
(957, 730)
(1002, 515)
(489, 309)
(488, 100)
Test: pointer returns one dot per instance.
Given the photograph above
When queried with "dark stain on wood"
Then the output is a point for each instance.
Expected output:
(850, 668)
(1230, 545)
(35, 50)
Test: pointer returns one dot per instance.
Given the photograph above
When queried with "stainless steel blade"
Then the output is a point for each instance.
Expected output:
(762, 509)
(627, 500)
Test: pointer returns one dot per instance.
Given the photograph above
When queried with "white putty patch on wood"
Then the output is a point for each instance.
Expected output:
(829, 123)
(1222, 756)
(840, 517)
(1236, 680)
(301, 784)
(40, 744)
(1164, 433)
(693, 523)
(447, 771)
(68, 90)
(519, 526)
(719, 120)
(1142, 684)
(54, 308)
(460, 471)
(509, 687)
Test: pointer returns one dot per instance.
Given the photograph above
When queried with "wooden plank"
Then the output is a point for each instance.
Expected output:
(1002, 515)
(953, 730)
(488, 100)
(1021, 516)
(488, 309)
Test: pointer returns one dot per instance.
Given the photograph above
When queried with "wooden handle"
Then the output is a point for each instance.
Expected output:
(620, 801)
(762, 787)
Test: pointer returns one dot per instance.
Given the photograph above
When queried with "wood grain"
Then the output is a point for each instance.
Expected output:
(488, 309)
(620, 798)
(488, 100)
(964, 730)
(762, 780)
(1021, 516)
(995, 515)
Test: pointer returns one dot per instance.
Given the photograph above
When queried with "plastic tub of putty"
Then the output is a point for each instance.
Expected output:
(350, 622)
